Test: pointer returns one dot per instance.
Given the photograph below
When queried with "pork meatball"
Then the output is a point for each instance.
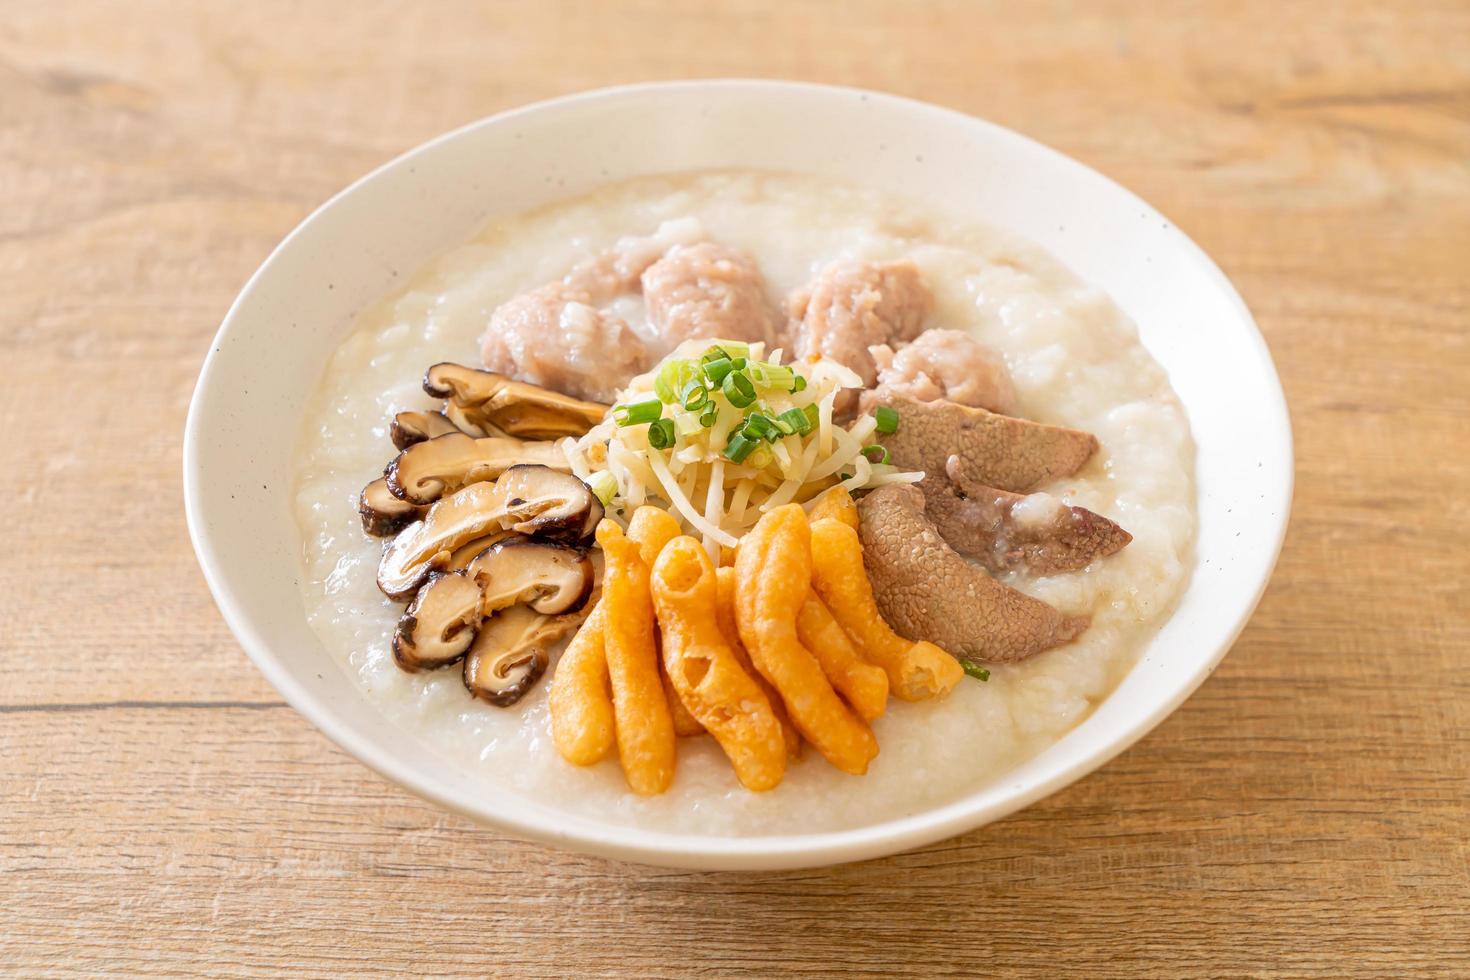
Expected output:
(556, 337)
(852, 306)
(707, 291)
(617, 270)
(948, 364)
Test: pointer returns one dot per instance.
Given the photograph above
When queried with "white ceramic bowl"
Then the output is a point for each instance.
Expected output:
(273, 344)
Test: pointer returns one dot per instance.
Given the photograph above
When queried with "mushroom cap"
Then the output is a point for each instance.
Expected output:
(440, 624)
(466, 553)
(549, 576)
(426, 470)
(382, 513)
(528, 499)
(550, 502)
(487, 399)
(409, 428)
(510, 653)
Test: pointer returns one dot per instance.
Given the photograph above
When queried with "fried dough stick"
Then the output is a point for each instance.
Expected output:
(653, 528)
(644, 727)
(581, 702)
(725, 579)
(704, 670)
(863, 686)
(836, 504)
(773, 576)
(916, 671)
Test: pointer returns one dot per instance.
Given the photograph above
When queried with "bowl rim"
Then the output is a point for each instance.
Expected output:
(682, 849)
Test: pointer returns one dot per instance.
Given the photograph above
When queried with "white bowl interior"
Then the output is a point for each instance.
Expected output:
(270, 352)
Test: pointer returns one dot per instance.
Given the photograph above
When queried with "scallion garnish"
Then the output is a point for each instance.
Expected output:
(887, 420)
(661, 434)
(605, 485)
(718, 369)
(708, 416)
(813, 416)
(975, 670)
(686, 424)
(638, 412)
(757, 426)
(694, 395)
(671, 378)
(729, 349)
(739, 447)
(738, 389)
(796, 420)
(798, 385)
(876, 454)
(772, 375)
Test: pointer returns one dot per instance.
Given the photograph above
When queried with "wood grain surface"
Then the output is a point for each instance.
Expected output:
(1305, 814)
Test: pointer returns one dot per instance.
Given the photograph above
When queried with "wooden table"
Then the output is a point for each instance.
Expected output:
(1306, 813)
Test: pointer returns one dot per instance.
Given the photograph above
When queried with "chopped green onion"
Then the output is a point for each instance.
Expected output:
(798, 385)
(795, 420)
(760, 459)
(638, 412)
(605, 485)
(708, 416)
(671, 377)
(686, 424)
(975, 670)
(739, 447)
(772, 375)
(784, 425)
(730, 349)
(887, 420)
(876, 454)
(757, 426)
(694, 395)
(661, 434)
(813, 416)
(717, 369)
(738, 389)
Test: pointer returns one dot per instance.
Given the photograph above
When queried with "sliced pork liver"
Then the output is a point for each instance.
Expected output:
(1007, 531)
(990, 450)
(927, 591)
